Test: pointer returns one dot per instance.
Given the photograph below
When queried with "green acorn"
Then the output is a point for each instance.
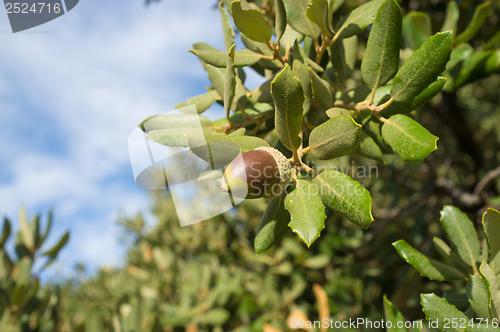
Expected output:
(263, 172)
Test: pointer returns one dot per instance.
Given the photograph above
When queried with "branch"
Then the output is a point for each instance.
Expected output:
(485, 181)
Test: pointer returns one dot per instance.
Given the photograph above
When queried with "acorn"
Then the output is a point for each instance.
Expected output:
(263, 172)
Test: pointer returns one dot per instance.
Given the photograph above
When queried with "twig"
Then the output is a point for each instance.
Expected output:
(485, 181)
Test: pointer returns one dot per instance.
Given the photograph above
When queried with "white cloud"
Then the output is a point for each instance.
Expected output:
(71, 97)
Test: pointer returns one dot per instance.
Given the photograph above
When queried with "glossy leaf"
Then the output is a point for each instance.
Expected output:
(175, 121)
(393, 315)
(491, 226)
(451, 18)
(345, 196)
(416, 29)
(426, 266)
(251, 23)
(229, 82)
(422, 67)
(478, 296)
(438, 309)
(297, 18)
(288, 97)
(307, 211)
(408, 139)
(357, 20)
(493, 287)
(300, 67)
(280, 25)
(334, 138)
(461, 232)
(316, 11)
(201, 102)
(321, 90)
(273, 225)
(381, 58)
(480, 15)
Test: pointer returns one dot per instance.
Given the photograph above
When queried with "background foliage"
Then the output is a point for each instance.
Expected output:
(207, 276)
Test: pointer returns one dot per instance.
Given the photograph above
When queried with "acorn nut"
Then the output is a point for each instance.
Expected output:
(263, 172)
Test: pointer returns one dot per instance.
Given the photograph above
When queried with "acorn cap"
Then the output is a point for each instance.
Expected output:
(263, 172)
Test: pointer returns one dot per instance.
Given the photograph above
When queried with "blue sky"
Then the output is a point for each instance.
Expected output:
(71, 91)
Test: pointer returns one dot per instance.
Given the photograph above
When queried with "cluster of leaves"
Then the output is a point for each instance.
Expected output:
(476, 306)
(24, 304)
(206, 277)
(304, 107)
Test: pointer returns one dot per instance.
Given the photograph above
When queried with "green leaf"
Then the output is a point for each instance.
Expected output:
(425, 96)
(218, 58)
(381, 58)
(301, 70)
(230, 82)
(477, 294)
(219, 149)
(173, 137)
(491, 226)
(306, 210)
(357, 20)
(438, 309)
(345, 196)
(333, 6)
(54, 251)
(251, 23)
(408, 138)
(493, 288)
(273, 225)
(369, 148)
(490, 44)
(288, 97)
(175, 121)
(334, 138)
(478, 18)
(201, 102)
(25, 230)
(336, 112)
(280, 25)
(227, 28)
(451, 18)
(316, 11)
(393, 315)
(442, 248)
(297, 18)
(5, 232)
(461, 233)
(416, 29)
(289, 37)
(422, 67)
(475, 66)
(426, 266)
(321, 90)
